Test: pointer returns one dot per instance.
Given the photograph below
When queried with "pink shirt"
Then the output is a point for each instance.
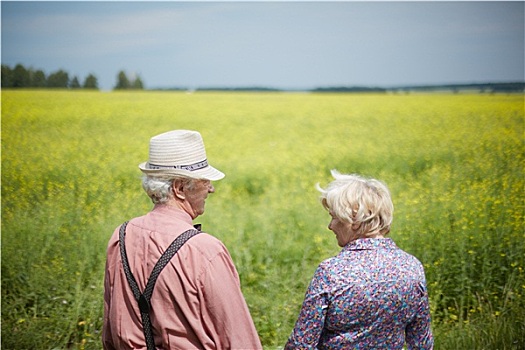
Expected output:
(197, 302)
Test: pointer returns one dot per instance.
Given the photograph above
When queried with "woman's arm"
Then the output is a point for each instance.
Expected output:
(418, 332)
(309, 326)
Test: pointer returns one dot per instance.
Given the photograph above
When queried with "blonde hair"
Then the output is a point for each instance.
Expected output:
(364, 203)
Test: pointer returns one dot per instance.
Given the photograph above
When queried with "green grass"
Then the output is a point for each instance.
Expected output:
(454, 164)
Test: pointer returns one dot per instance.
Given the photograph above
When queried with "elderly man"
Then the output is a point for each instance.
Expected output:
(195, 300)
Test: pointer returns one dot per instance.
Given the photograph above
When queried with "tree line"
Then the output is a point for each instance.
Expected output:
(21, 77)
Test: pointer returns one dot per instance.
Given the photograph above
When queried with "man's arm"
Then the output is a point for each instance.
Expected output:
(224, 308)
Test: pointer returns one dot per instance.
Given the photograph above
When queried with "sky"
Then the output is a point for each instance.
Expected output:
(284, 45)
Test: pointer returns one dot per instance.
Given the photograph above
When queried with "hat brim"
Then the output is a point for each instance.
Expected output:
(206, 173)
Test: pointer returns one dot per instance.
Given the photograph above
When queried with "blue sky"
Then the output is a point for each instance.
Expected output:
(274, 44)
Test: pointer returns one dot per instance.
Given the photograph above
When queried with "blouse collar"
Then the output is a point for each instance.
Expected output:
(370, 244)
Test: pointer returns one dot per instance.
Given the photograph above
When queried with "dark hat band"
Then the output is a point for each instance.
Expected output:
(192, 167)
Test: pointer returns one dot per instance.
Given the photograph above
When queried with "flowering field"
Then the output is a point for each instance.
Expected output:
(454, 164)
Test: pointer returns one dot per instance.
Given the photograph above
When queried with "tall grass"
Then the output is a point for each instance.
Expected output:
(454, 164)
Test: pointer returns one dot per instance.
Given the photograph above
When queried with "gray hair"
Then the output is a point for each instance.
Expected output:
(364, 203)
(160, 189)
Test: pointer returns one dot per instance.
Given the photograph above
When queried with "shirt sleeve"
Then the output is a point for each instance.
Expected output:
(418, 331)
(107, 338)
(310, 323)
(224, 308)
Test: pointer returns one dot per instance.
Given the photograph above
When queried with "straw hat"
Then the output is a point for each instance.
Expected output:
(179, 152)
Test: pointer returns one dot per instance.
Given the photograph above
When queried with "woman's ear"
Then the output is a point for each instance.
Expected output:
(178, 189)
(356, 226)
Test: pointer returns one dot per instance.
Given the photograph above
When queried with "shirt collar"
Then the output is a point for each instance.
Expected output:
(165, 209)
(370, 244)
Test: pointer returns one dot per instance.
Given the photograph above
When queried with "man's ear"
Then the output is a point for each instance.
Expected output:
(178, 189)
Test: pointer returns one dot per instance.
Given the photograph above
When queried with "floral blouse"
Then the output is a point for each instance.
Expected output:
(372, 295)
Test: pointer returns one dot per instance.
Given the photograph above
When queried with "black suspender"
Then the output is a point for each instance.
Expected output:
(144, 298)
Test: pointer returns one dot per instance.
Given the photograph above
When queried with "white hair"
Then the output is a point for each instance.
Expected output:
(160, 189)
(364, 203)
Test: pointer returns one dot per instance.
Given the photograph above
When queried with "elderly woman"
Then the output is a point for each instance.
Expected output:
(372, 295)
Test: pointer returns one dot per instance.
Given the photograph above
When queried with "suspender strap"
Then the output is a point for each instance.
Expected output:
(144, 298)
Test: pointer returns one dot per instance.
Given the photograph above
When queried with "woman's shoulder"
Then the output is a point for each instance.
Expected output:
(333, 264)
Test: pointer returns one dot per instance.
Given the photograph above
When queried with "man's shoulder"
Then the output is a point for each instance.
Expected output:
(207, 244)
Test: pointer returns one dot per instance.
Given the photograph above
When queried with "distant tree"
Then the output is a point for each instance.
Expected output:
(74, 84)
(91, 82)
(20, 77)
(59, 79)
(137, 84)
(122, 81)
(38, 79)
(7, 76)
(125, 83)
